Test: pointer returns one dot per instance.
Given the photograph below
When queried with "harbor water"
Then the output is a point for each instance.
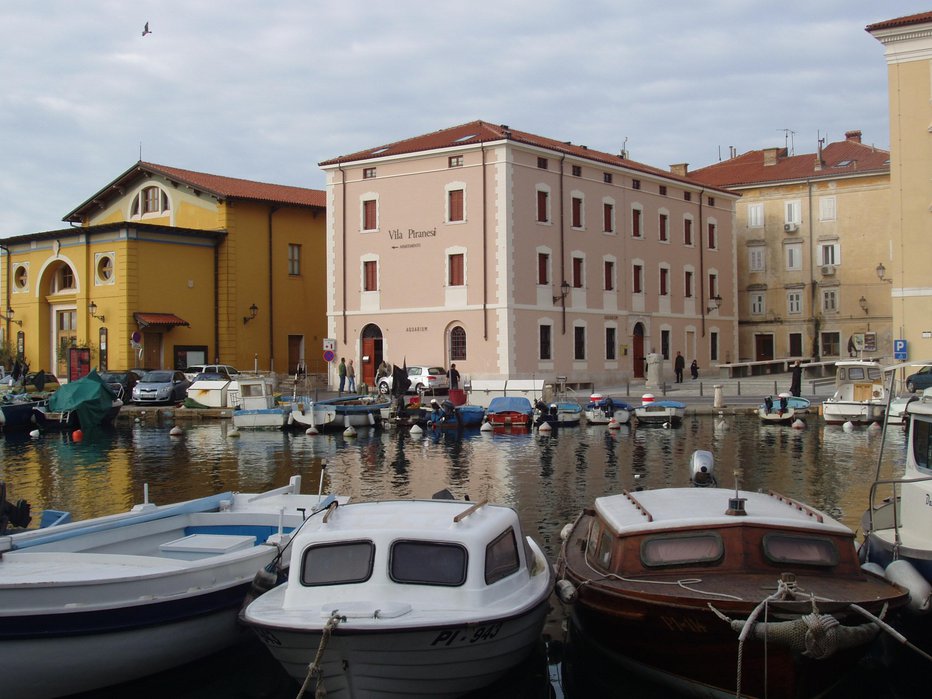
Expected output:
(547, 479)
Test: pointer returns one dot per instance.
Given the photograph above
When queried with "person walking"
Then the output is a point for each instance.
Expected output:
(342, 372)
(454, 377)
(694, 369)
(351, 377)
(679, 364)
(796, 382)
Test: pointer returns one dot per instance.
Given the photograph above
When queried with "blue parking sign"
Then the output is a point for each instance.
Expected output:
(899, 350)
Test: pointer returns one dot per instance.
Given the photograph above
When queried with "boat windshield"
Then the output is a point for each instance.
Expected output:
(805, 550)
(705, 547)
(338, 564)
(501, 557)
(922, 444)
(428, 563)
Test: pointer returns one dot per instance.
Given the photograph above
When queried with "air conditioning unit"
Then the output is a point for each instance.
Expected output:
(790, 227)
(828, 270)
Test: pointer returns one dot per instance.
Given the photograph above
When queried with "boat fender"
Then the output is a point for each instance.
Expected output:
(874, 568)
(903, 573)
(566, 591)
(262, 582)
(566, 531)
(816, 636)
(176, 431)
(486, 427)
(798, 424)
(416, 431)
(545, 427)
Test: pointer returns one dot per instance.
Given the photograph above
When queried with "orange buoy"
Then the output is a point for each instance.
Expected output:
(77, 435)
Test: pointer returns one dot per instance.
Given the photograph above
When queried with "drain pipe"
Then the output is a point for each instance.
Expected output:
(701, 234)
(272, 211)
(485, 257)
(563, 282)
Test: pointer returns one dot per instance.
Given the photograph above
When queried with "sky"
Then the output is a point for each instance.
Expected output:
(267, 90)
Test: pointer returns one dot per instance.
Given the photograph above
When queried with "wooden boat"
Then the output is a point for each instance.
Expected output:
(601, 409)
(510, 411)
(88, 604)
(860, 396)
(431, 598)
(664, 582)
(86, 403)
(660, 412)
(258, 406)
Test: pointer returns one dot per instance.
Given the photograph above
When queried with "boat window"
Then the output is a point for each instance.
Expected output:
(922, 444)
(682, 549)
(856, 373)
(337, 564)
(808, 550)
(428, 563)
(501, 557)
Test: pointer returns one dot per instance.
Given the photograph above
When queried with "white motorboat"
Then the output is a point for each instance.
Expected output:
(668, 413)
(341, 412)
(258, 408)
(600, 410)
(860, 396)
(89, 604)
(431, 598)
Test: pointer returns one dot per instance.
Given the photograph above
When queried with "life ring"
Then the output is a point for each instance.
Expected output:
(876, 394)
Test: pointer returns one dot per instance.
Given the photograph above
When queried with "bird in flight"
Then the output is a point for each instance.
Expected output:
(146, 30)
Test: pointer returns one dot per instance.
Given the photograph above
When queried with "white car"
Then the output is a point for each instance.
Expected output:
(424, 379)
(196, 369)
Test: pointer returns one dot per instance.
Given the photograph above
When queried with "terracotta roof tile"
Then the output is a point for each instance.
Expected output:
(919, 18)
(843, 158)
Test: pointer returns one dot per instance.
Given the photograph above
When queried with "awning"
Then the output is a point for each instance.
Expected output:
(165, 320)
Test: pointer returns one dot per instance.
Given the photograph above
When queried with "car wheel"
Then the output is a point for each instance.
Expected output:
(383, 388)
(910, 386)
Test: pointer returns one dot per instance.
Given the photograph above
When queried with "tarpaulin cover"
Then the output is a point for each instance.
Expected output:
(89, 397)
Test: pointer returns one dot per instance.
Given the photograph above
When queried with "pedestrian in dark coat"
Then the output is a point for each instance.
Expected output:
(678, 365)
(454, 377)
(797, 379)
(694, 369)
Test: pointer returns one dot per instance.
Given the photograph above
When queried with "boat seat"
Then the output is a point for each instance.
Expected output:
(195, 546)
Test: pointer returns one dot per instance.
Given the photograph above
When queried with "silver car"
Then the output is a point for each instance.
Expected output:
(161, 386)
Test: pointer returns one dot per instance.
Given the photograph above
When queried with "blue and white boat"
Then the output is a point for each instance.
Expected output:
(89, 604)
(446, 416)
(341, 412)
(600, 410)
(558, 414)
(257, 406)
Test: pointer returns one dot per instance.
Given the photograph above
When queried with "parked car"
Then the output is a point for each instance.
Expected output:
(40, 381)
(196, 369)
(161, 386)
(121, 382)
(919, 381)
(424, 379)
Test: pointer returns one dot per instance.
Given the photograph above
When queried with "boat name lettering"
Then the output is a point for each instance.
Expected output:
(686, 624)
(416, 329)
(448, 637)
(268, 637)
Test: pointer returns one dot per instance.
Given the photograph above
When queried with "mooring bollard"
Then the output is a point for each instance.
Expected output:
(718, 401)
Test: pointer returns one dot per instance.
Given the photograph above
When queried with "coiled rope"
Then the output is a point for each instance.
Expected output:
(314, 669)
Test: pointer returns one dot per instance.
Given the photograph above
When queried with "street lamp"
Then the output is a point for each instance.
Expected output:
(92, 309)
(862, 302)
(881, 273)
(715, 302)
(9, 317)
(564, 289)
(253, 310)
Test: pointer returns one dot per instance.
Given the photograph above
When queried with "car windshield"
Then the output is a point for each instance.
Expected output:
(112, 376)
(211, 376)
(157, 377)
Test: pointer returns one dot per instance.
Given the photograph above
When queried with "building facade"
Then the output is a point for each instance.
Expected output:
(166, 267)
(812, 230)
(516, 256)
(907, 43)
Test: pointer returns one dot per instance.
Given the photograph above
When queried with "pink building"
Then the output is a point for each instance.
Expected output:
(517, 256)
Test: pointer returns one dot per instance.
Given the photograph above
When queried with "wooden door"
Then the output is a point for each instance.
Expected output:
(152, 350)
(637, 348)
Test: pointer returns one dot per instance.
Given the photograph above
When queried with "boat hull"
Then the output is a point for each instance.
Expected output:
(776, 417)
(260, 418)
(858, 412)
(18, 415)
(659, 415)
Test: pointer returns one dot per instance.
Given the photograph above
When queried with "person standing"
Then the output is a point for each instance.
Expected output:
(796, 382)
(351, 377)
(342, 372)
(679, 364)
(694, 369)
(454, 377)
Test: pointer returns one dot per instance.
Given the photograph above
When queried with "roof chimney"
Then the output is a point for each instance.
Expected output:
(770, 156)
(853, 136)
(680, 169)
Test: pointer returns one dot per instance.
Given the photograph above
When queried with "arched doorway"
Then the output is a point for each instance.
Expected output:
(371, 353)
(637, 349)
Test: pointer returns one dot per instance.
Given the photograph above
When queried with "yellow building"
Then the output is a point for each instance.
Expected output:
(163, 268)
(907, 45)
(812, 233)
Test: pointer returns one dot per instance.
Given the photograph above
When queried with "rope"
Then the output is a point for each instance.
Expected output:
(314, 669)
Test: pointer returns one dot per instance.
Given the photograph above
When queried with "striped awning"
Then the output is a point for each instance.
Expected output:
(164, 320)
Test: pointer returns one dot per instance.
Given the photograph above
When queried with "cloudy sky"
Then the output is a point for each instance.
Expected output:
(266, 90)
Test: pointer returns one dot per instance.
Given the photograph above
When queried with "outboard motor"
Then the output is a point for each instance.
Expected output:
(702, 469)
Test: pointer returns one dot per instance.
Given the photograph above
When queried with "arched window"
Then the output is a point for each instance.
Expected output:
(457, 344)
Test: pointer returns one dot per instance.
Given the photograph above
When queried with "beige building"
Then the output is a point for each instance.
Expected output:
(518, 256)
(907, 45)
(813, 250)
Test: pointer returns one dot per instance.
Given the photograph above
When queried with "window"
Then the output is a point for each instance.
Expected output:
(635, 184)
(577, 171)
(542, 163)
(794, 256)
(757, 304)
(636, 223)
(63, 280)
(687, 231)
(800, 550)
(501, 557)
(755, 215)
(610, 344)
(665, 343)
(21, 276)
(687, 196)
(370, 215)
(756, 259)
(370, 273)
(543, 206)
(711, 201)
(794, 302)
(104, 269)
(543, 268)
(151, 200)
(682, 549)
(337, 564)
(829, 301)
(637, 281)
(663, 190)
(713, 285)
(368, 173)
(543, 342)
(427, 563)
(663, 227)
(455, 161)
(829, 254)
(577, 211)
(579, 343)
(831, 344)
(713, 346)
(688, 284)
(796, 344)
(609, 275)
(455, 206)
(294, 259)
(578, 273)
(608, 217)
(457, 274)
(827, 208)
(792, 212)
(607, 177)
(713, 236)
(458, 344)
(664, 281)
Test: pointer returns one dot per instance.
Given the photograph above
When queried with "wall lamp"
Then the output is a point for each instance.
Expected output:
(715, 302)
(9, 317)
(564, 290)
(253, 310)
(881, 273)
(862, 302)
(92, 309)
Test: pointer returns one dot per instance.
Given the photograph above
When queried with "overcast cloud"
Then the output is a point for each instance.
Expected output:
(266, 90)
